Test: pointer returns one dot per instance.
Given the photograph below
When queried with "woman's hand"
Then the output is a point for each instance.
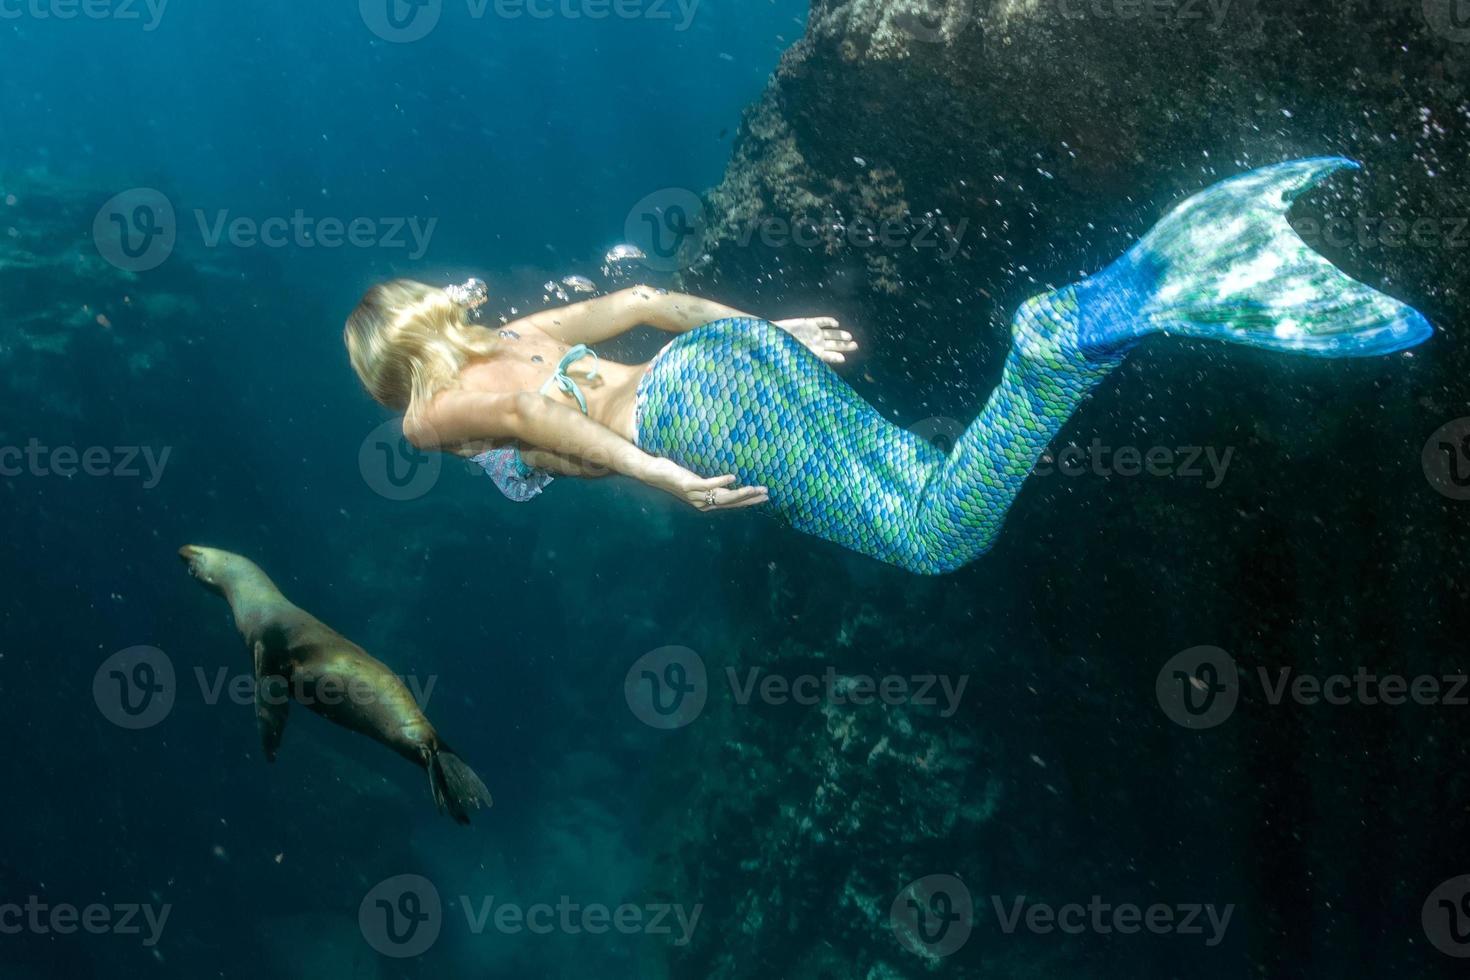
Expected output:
(822, 336)
(719, 493)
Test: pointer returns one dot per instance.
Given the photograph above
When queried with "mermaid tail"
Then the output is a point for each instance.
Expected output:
(1226, 265)
(743, 397)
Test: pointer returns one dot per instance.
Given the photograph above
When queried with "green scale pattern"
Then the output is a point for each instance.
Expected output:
(743, 396)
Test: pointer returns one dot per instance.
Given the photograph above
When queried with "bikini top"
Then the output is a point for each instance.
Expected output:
(506, 468)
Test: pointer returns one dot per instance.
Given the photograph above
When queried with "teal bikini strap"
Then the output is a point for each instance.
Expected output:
(563, 381)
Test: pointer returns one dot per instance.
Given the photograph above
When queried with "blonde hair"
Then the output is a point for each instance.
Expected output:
(408, 341)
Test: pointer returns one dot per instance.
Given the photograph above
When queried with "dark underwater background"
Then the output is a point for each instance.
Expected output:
(1045, 135)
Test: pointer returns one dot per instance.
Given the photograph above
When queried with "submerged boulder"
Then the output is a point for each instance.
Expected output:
(921, 168)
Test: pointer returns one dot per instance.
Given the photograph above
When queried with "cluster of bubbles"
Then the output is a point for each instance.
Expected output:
(614, 263)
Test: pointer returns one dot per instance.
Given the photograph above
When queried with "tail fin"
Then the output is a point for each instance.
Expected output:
(1226, 265)
(455, 786)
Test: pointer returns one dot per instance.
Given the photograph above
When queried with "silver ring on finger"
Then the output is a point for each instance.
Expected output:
(709, 498)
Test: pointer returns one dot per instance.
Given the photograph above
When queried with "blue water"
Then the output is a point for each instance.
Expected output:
(217, 390)
(527, 141)
(527, 137)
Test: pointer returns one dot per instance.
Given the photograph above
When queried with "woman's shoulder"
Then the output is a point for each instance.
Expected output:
(458, 416)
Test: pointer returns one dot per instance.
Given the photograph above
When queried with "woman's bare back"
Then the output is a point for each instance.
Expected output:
(527, 357)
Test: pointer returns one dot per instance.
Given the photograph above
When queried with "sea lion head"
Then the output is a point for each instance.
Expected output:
(210, 566)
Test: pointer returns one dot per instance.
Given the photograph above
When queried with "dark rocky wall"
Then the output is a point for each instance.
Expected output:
(1046, 136)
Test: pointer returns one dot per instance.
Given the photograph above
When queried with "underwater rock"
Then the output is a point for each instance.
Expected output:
(807, 812)
(67, 314)
(1004, 121)
(55, 285)
(919, 169)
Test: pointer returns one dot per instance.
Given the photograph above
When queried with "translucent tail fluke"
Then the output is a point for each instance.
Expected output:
(1226, 265)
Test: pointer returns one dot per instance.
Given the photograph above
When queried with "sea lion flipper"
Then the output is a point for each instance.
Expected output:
(455, 786)
(272, 706)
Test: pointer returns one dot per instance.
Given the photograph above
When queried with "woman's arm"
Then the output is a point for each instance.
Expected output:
(561, 465)
(458, 417)
(596, 320)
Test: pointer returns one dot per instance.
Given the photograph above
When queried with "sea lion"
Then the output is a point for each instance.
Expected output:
(296, 653)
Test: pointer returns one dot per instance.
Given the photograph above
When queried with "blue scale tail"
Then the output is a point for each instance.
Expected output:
(742, 396)
(1226, 265)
